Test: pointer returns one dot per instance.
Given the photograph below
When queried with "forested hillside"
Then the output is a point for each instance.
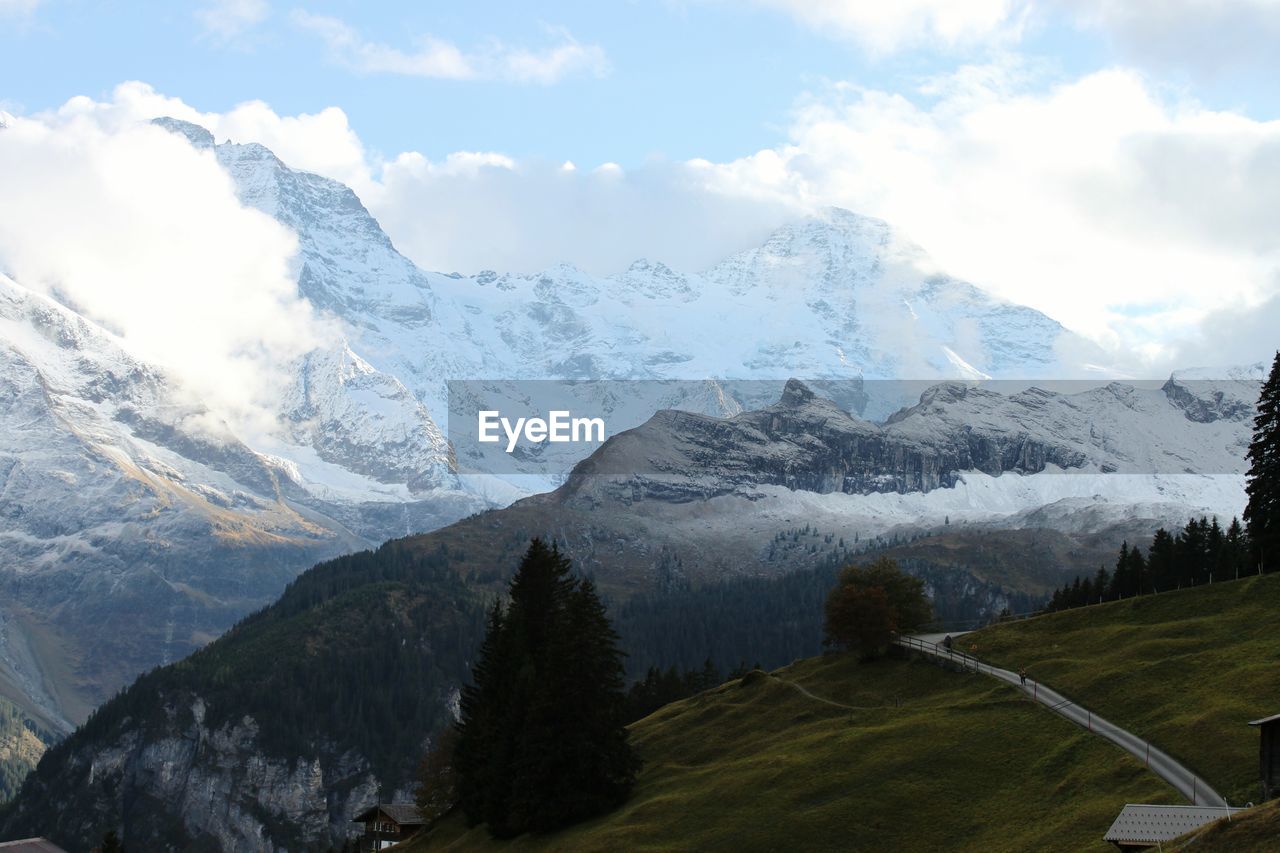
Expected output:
(346, 676)
(22, 743)
(337, 689)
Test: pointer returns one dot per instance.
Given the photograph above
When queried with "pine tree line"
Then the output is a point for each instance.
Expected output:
(1200, 553)
(661, 687)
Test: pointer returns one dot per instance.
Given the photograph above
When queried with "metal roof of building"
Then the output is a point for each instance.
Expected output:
(30, 845)
(1265, 720)
(1138, 824)
(405, 814)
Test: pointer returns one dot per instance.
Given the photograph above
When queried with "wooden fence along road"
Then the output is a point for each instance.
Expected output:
(1195, 789)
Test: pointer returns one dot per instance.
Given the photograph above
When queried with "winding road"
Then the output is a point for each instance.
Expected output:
(1195, 789)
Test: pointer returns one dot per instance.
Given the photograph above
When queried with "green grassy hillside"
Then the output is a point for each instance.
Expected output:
(1186, 669)
(925, 759)
(1255, 831)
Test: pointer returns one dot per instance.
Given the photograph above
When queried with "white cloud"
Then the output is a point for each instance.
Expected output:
(18, 8)
(1125, 215)
(438, 58)
(226, 20)
(884, 27)
(1199, 35)
(477, 211)
(320, 142)
(144, 234)
(1094, 200)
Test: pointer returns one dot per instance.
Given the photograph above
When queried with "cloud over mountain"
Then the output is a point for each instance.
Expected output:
(145, 235)
(1125, 213)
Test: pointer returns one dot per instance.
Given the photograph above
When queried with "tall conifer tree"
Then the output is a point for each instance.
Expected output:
(1262, 515)
(541, 739)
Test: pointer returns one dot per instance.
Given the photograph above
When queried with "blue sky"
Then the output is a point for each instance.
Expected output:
(692, 81)
(716, 80)
(1114, 163)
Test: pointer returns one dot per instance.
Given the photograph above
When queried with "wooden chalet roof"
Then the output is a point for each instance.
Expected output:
(405, 814)
(1273, 718)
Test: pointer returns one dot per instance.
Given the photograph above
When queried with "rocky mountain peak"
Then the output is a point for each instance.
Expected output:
(1210, 394)
(795, 394)
(198, 136)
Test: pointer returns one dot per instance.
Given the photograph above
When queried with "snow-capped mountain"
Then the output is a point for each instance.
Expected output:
(109, 481)
(833, 296)
(137, 525)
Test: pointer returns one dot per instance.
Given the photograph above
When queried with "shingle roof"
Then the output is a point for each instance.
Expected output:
(405, 814)
(1141, 823)
(30, 845)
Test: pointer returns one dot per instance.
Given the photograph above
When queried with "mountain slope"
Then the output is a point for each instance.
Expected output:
(122, 503)
(272, 736)
(874, 757)
(202, 750)
(22, 743)
(1196, 665)
(756, 764)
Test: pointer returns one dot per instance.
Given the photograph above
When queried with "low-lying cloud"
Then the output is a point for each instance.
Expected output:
(145, 235)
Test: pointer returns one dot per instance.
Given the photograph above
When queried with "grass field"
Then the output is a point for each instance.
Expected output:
(1255, 831)
(929, 760)
(1185, 669)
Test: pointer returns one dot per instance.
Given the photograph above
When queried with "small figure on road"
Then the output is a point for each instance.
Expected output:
(946, 642)
(1023, 675)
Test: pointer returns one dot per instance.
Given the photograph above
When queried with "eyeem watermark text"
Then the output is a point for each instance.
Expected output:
(559, 427)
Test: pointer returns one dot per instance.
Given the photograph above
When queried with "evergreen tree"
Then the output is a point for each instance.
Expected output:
(1101, 583)
(1137, 572)
(482, 755)
(1215, 545)
(542, 741)
(1235, 551)
(1121, 580)
(1262, 514)
(1160, 563)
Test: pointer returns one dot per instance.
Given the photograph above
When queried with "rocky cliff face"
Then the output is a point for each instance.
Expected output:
(215, 788)
(273, 736)
(808, 443)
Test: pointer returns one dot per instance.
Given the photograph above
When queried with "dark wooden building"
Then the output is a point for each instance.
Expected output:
(386, 824)
(1269, 754)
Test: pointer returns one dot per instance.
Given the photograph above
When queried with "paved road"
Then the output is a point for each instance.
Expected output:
(1195, 789)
